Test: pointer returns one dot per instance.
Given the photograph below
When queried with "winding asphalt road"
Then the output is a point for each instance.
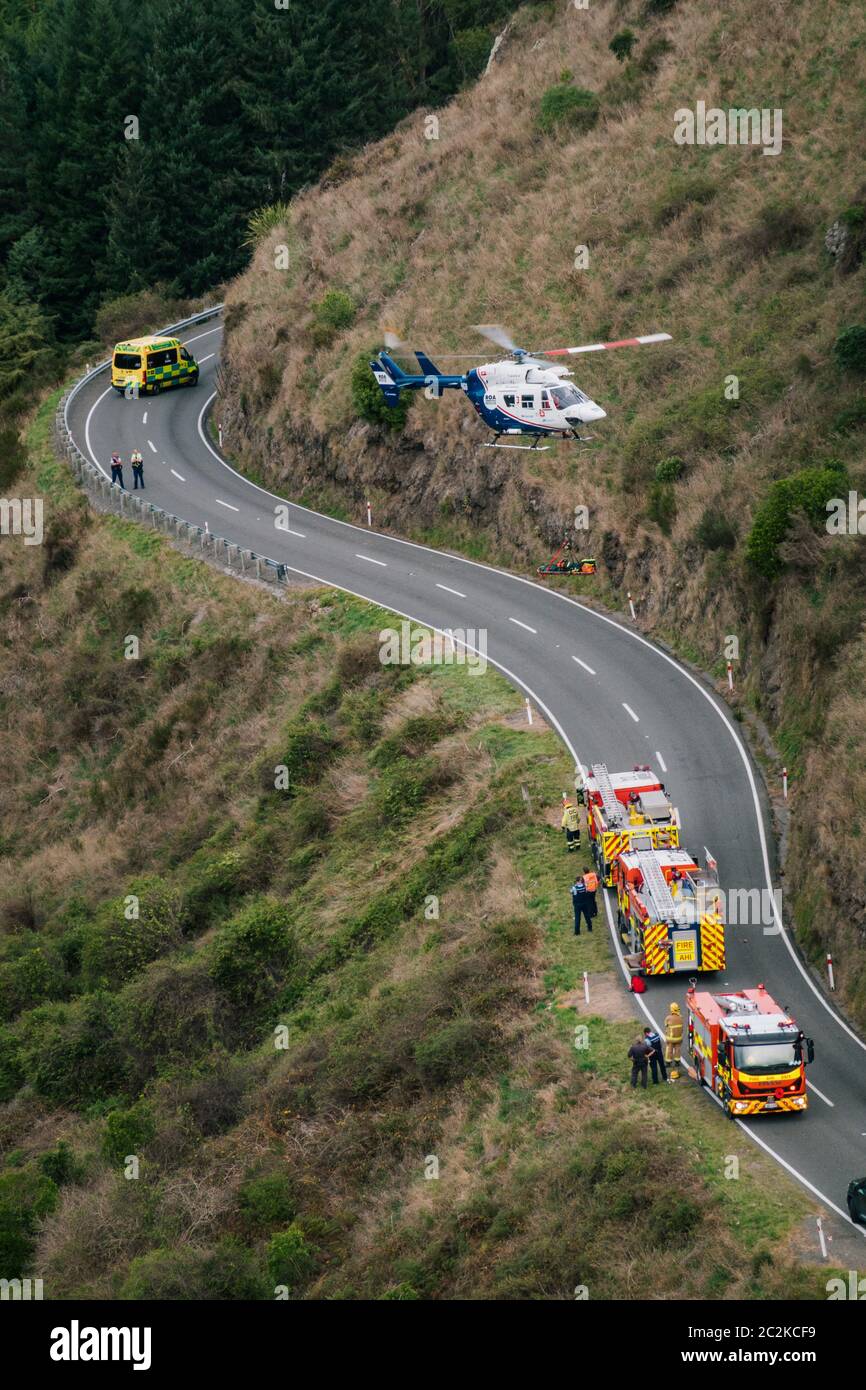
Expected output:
(611, 695)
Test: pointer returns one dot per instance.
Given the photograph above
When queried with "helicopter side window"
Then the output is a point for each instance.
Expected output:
(508, 400)
(565, 396)
(527, 402)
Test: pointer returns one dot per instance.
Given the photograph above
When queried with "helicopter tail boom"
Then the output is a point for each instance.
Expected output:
(392, 379)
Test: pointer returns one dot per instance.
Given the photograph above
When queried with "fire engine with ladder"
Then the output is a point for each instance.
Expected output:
(627, 810)
(668, 910)
(749, 1051)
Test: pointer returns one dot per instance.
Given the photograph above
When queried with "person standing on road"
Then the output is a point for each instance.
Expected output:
(657, 1060)
(571, 825)
(117, 469)
(673, 1034)
(137, 469)
(639, 1053)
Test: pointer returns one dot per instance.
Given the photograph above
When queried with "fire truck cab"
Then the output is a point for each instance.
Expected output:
(749, 1051)
(668, 910)
(626, 809)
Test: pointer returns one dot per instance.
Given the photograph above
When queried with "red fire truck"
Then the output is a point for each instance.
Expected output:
(626, 809)
(749, 1050)
(668, 911)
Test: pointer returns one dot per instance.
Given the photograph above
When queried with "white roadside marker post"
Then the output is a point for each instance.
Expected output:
(831, 977)
(528, 710)
(785, 783)
(821, 1239)
(220, 433)
(730, 675)
(586, 985)
(369, 514)
(631, 606)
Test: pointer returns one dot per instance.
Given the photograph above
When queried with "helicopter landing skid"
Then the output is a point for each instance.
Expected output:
(532, 448)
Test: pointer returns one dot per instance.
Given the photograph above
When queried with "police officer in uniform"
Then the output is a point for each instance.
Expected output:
(137, 469)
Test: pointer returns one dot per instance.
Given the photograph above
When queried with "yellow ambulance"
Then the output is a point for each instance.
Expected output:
(150, 364)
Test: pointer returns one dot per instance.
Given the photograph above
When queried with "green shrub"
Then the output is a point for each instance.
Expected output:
(254, 954)
(116, 948)
(470, 49)
(368, 401)
(681, 192)
(11, 1072)
(127, 1132)
(60, 1165)
(13, 456)
(810, 489)
(34, 976)
(669, 470)
(406, 784)
(265, 220)
(267, 1201)
(416, 736)
(70, 1052)
(715, 532)
(453, 1052)
(306, 753)
(672, 1219)
(662, 506)
(622, 44)
(850, 348)
(290, 1259)
(228, 1272)
(335, 311)
(26, 1196)
(567, 106)
(850, 419)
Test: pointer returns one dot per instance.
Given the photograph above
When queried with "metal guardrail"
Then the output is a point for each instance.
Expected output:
(118, 500)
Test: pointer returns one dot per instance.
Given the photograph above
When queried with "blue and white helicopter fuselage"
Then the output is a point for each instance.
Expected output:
(519, 395)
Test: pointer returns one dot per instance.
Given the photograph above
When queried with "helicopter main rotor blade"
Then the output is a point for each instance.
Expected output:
(498, 335)
(604, 347)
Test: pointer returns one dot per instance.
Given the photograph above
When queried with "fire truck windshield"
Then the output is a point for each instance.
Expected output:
(763, 1058)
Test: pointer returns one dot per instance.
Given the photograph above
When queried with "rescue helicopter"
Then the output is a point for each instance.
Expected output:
(520, 395)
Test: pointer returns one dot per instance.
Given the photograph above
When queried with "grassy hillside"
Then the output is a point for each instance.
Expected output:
(707, 484)
(318, 1038)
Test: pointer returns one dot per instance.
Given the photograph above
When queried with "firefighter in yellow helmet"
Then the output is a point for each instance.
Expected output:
(673, 1034)
(571, 825)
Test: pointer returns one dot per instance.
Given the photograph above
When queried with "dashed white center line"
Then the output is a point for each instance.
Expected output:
(628, 709)
(144, 418)
(206, 359)
(226, 504)
(151, 445)
(526, 625)
(813, 1087)
(370, 560)
(450, 591)
(661, 761)
(177, 475)
(583, 664)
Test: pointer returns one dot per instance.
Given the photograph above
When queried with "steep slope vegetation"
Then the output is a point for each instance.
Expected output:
(311, 1035)
(707, 486)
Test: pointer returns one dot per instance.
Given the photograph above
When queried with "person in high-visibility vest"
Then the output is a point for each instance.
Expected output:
(673, 1033)
(571, 825)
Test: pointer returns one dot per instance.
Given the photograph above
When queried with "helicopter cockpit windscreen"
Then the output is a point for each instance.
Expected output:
(566, 395)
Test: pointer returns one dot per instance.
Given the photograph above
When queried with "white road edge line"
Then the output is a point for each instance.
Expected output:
(661, 762)
(177, 475)
(370, 560)
(300, 534)
(518, 623)
(584, 665)
(628, 709)
(825, 1099)
(219, 501)
(450, 591)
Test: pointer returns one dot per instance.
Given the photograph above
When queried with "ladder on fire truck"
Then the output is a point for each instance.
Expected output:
(657, 886)
(613, 807)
